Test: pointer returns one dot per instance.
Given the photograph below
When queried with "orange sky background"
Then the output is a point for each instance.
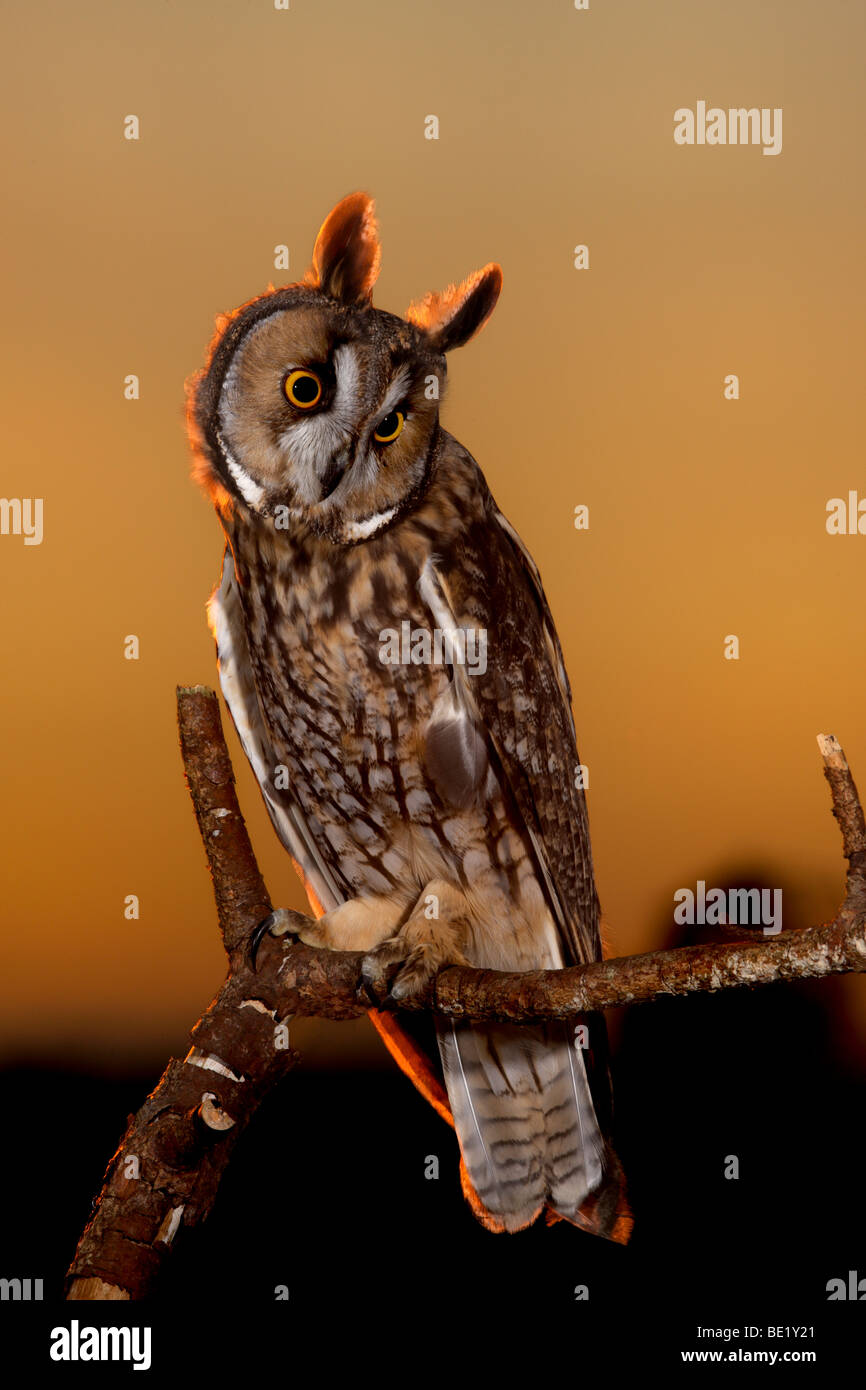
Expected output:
(603, 387)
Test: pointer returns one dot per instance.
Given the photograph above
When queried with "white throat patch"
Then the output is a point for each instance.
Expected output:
(362, 530)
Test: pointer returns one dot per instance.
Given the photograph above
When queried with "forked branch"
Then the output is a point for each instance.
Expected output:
(167, 1168)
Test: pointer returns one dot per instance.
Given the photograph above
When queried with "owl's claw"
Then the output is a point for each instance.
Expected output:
(379, 967)
(281, 922)
(396, 970)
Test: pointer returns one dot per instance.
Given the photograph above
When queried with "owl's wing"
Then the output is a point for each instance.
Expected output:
(226, 618)
(522, 702)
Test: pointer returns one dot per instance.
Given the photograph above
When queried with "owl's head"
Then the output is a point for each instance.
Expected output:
(317, 407)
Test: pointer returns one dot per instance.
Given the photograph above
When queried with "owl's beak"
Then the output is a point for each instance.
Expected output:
(334, 472)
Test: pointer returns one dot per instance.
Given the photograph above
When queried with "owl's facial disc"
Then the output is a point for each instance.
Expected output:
(326, 412)
(355, 469)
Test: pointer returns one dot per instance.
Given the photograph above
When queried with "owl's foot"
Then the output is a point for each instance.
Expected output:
(281, 922)
(382, 970)
(403, 965)
(397, 970)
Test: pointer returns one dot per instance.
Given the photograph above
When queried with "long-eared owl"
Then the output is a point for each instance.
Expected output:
(390, 662)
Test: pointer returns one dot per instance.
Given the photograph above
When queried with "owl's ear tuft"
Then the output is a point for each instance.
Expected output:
(347, 252)
(451, 318)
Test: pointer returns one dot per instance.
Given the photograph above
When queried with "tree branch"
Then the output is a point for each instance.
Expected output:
(166, 1171)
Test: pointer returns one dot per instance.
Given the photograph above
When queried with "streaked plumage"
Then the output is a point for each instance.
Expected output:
(401, 788)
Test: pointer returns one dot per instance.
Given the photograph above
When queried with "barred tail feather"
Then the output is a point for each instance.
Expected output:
(525, 1120)
(575, 1147)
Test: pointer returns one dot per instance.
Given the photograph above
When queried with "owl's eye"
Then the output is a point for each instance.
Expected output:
(303, 388)
(388, 429)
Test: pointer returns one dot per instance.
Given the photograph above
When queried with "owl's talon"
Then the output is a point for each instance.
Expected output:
(255, 939)
(380, 966)
(366, 996)
(396, 970)
(415, 975)
(281, 922)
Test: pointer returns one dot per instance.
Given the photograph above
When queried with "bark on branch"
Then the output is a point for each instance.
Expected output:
(167, 1168)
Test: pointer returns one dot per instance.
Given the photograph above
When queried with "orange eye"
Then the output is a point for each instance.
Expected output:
(303, 388)
(389, 428)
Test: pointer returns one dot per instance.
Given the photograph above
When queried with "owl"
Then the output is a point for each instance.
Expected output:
(392, 669)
